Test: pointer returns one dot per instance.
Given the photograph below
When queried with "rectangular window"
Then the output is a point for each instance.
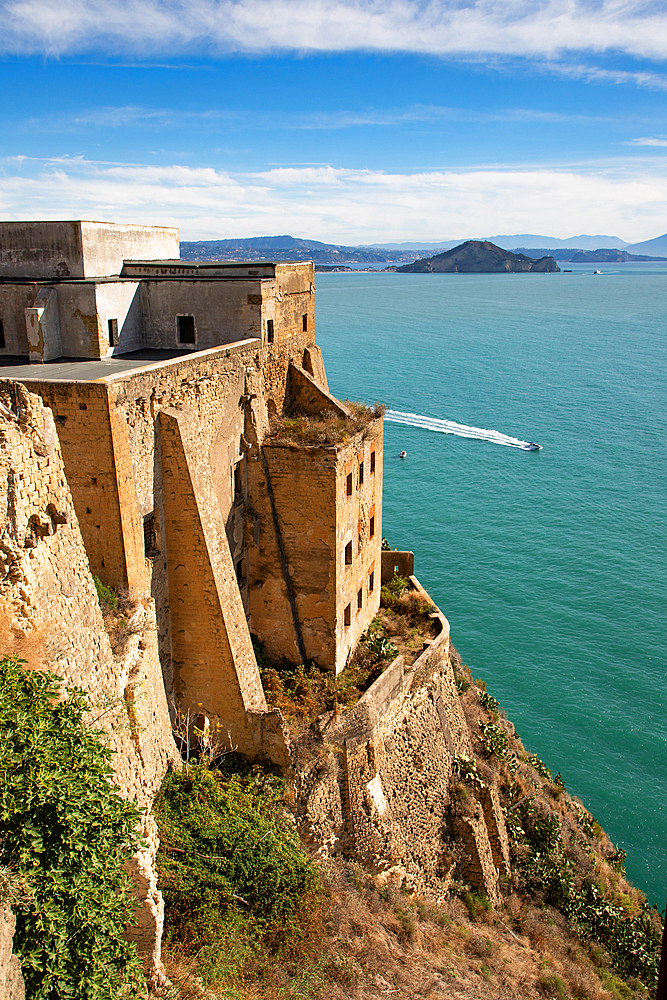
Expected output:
(304, 321)
(371, 527)
(348, 554)
(239, 571)
(372, 463)
(360, 598)
(371, 582)
(269, 331)
(151, 543)
(347, 615)
(361, 473)
(113, 332)
(359, 540)
(348, 485)
(186, 329)
(2, 334)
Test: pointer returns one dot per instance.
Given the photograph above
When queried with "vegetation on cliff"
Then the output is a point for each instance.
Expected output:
(325, 430)
(569, 925)
(65, 832)
(236, 882)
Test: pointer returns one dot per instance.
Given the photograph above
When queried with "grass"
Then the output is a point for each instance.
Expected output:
(327, 430)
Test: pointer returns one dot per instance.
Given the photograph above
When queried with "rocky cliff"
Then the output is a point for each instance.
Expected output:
(476, 256)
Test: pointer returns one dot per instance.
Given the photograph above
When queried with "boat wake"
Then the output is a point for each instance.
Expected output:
(451, 427)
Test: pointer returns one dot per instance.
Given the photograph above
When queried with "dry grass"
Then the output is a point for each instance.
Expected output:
(408, 624)
(328, 429)
(371, 940)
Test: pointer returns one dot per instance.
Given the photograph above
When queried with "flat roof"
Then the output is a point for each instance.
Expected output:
(106, 369)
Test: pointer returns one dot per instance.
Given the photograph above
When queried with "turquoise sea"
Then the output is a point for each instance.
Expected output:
(551, 566)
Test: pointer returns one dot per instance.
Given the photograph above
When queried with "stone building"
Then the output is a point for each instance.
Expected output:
(169, 383)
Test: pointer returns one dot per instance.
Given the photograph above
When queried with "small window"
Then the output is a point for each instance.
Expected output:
(186, 329)
(348, 485)
(347, 615)
(371, 527)
(359, 541)
(269, 331)
(2, 334)
(348, 554)
(239, 572)
(360, 599)
(113, 332)
(371, 582)
(361, 473)
(304, 322)
(372, 463)
(151, 543)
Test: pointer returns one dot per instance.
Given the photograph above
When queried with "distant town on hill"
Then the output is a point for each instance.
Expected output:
(583, 248)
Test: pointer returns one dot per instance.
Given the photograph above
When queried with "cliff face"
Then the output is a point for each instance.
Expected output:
(476, 256)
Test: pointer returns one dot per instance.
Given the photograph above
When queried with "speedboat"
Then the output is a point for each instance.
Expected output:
(404, 454)
(597, 272)
(531, 446)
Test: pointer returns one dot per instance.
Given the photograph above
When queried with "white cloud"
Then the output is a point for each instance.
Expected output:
(615, 77)
(146, 28)
(647, 140)
(342, 205)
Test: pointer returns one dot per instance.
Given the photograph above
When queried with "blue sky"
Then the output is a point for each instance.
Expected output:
(343, 121)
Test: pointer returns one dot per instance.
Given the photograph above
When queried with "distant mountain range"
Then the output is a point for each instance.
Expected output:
(285, 248)
(527, 240)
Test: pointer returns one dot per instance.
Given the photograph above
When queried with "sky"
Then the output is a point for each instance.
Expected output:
(347, 121)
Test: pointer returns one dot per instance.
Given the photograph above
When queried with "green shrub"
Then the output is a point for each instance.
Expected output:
(394, 589)
(230, 866)
(494, 740)
(107, 597)
(476, 903)
(488, 702)
(539, 766)
(379, 646)
(66, 831)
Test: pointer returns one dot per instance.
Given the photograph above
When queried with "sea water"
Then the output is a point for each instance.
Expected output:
(550, 565)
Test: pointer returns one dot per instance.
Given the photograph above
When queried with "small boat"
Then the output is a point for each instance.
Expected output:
(531, 446)
(597, 272)
(404, 454)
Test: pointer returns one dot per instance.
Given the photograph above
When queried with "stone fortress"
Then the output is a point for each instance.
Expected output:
(139, 401)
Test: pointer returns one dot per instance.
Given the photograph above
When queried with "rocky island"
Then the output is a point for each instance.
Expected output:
(481, 257)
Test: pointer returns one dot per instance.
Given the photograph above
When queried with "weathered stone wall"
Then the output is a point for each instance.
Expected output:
(41, 250)
(359, 525)
(379, 785)
(291, 552)
(224, 312)
(215, 674)
(289, 298)
(119, 300)
(394, 562)
(107, 244)
(50, 614)
(15, 298)
(79, 249)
